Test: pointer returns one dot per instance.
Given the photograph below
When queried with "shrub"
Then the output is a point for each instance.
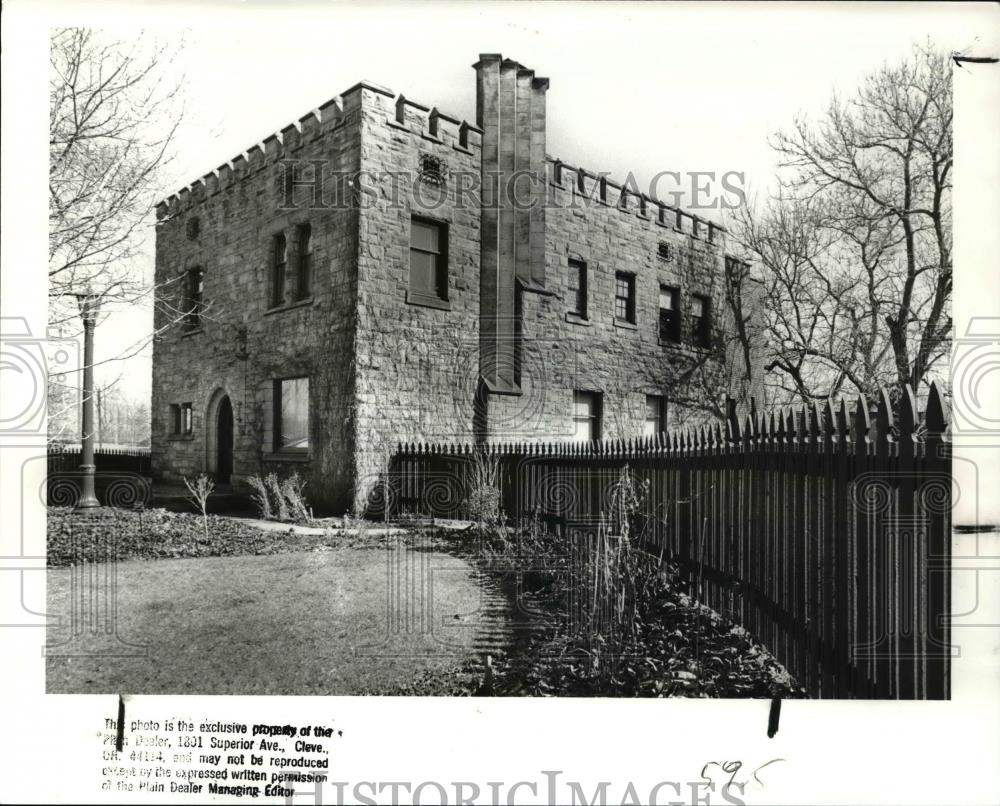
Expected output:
(280, 505)
(282, 500)
(260, 497)
(292, 491)
(483, 502)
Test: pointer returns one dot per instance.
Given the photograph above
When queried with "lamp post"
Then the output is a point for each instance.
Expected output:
(89, 304)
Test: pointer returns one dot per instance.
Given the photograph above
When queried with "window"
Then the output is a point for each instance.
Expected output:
(578, 288)
(193, 298)
(428, 259)
(291, 414)
(304, 286)
(433, 169)
(670, 320)
(625, 297)
(181, 419)
(586, 416)
(279, 262)
(656, 415)
(663, 250)
(701, 321)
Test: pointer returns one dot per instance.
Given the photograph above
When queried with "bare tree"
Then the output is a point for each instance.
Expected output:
(114, 109)
(112, 117)
(852, 255)
(199, 491)
(123, 419)
(702, 382)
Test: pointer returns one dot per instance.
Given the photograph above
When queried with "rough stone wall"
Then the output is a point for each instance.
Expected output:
(244, 343)
(417, 366)
(561, 353)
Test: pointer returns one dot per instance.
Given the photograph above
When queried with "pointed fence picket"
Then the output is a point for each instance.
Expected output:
(824, 530)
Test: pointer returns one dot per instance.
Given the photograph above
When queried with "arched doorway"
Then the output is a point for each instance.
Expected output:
(224, 442)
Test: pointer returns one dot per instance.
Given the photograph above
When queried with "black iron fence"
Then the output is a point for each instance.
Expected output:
(120, 477)
(823, 530)
(124, 459)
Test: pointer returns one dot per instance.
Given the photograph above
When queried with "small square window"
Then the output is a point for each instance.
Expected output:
(291, 415)
(625, 297)
(586, 416)
(433, 169)
(578, 288)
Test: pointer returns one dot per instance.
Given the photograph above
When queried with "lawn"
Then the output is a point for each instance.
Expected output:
(323, 619)
(237, 610)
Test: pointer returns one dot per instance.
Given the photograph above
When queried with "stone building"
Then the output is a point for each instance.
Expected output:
(380, 271)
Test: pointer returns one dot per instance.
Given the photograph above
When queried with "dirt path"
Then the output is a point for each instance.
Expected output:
(338, 621)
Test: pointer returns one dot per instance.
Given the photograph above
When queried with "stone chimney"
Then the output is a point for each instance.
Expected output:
(510, 110)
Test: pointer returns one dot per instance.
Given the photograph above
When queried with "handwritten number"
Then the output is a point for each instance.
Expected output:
(731, 768)
(772, 761)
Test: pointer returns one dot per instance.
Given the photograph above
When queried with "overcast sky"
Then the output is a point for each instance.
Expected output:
(634, 87)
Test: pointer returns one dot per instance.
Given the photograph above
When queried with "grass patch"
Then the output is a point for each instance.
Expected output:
(305, 623)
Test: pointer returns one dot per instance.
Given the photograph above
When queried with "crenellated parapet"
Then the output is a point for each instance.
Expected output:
(597, 188)
(430, 123)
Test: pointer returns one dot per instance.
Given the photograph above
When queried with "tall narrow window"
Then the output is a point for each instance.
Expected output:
(586, 416)
(187, 418)
(701, 321)
(175, 418)
(291, 414)
(656, 415)
(578, 288)
(670, 320)
(279, 265)
(304, 286)
(625, 297)
(194, 298)
(428, 260)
